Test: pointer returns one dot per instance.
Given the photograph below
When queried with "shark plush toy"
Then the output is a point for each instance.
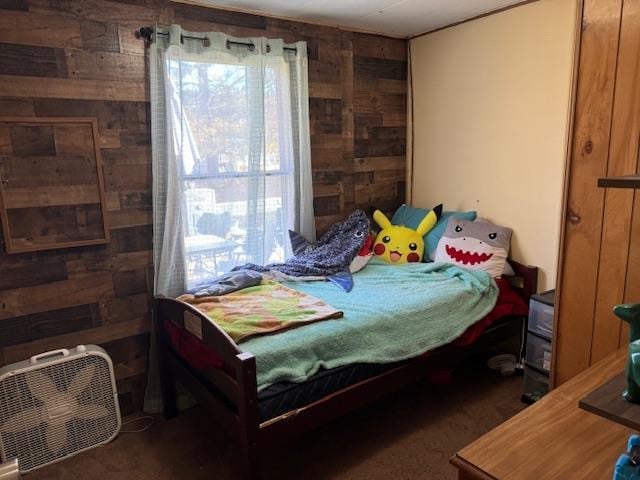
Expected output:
(478, 245)
(329, 257)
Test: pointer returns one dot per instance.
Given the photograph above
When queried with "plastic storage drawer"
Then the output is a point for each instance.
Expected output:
(536, 384)
(541, 318)
(538, 352)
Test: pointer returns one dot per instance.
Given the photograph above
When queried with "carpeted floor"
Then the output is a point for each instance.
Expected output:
(409, 435)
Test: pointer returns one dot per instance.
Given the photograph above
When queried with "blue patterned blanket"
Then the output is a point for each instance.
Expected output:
(330, 257)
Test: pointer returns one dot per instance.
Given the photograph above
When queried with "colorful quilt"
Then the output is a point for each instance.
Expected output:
(266, 308)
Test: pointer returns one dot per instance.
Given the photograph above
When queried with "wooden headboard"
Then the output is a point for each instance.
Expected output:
(525, 280)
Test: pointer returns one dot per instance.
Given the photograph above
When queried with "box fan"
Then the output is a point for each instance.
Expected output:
(57, 404)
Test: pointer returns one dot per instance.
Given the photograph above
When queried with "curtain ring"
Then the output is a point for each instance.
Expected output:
(206, 42)
(268, 48)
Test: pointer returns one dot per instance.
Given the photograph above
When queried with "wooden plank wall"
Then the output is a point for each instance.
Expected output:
(601, 257)
(80, 58)
(52, 190)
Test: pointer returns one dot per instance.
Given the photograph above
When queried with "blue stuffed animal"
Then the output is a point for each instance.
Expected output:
(628, 465)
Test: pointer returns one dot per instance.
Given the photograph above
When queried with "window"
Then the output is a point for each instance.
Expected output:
(236, 165)
(231, 156)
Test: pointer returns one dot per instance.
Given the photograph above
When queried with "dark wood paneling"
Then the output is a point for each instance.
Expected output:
(131, 393)
(132, 239)
(122, 115)
(14, 5)
(62, 223)
(222, 17)
(32, 60)
(68, 58)
(52, 187)
(382, 142)
(328, 115)
(27, 171)
(30, 274)
(130, 282)
(32, 140)
(17, 107)
(380, 68)
(327, 205)
(105, 65)
(100, 36)
(30, 328)
(129, 355)
(28, 28)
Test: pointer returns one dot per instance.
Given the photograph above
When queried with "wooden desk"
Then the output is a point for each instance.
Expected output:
(552, 439)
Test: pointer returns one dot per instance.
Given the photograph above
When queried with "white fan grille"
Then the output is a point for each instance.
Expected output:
(57, 411)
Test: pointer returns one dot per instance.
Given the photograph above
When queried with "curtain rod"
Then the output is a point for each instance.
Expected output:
(147, 33)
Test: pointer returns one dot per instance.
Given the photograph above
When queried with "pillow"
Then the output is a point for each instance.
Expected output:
(508, 269)
(400, 244)
(412, 216)
(475, 245)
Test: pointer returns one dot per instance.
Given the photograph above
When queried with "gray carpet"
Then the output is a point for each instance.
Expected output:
(408, 435)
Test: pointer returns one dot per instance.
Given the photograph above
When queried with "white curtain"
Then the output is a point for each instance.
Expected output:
(231, 157)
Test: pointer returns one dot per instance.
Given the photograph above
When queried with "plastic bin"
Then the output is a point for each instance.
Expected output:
(541, 314)
(538, 352)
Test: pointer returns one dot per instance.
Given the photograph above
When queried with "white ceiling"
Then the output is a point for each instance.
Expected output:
(399, 18)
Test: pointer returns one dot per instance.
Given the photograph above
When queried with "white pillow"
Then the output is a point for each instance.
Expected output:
(475, 245)
(508, 269)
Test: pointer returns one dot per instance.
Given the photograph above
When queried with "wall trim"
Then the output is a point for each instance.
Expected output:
(471, 19)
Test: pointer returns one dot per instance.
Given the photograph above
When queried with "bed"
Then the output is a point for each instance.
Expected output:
(259, 407)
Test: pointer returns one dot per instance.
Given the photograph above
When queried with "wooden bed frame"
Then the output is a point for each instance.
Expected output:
(230, 393)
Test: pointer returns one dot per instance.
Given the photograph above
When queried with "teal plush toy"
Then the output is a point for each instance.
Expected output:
(627, 467)
(630, 313)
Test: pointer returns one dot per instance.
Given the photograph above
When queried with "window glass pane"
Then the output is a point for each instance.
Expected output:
(235, 142)
(278, 150)
(216, 107)
(233, 221)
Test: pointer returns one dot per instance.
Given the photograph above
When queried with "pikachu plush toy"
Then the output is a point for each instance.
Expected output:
(399, 244)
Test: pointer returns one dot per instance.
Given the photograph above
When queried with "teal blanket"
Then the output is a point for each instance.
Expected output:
(394, 312)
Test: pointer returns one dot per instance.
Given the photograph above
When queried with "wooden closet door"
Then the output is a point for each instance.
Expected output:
(600, 252)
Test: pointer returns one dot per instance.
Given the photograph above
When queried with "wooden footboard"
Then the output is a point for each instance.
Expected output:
(229, 390)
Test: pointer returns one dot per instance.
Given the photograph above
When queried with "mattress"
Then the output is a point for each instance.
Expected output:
(283, 397)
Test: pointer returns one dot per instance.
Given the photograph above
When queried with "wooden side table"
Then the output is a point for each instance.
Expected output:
(552, 439)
